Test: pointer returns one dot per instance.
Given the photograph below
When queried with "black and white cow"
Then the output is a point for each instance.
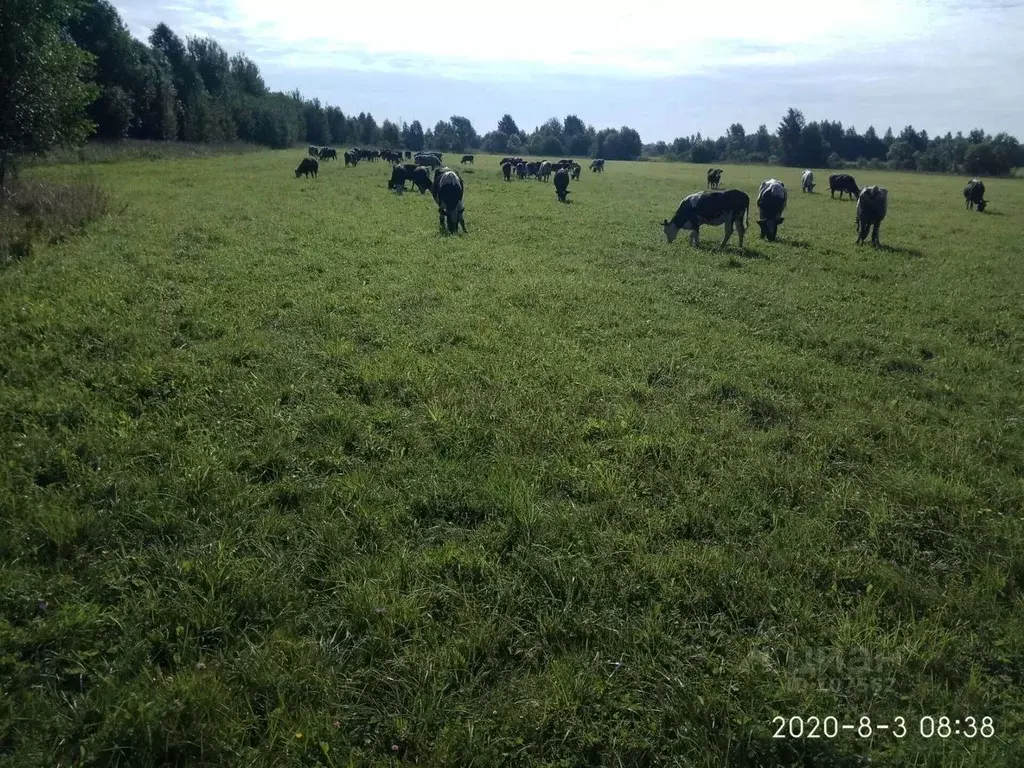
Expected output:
(771, 202)
(313, 151)
(506, 170)
(428, 159)
(714, 177)
(308, 167)
(872, 205)
(974, 195)
(843, 182)
(730, 207)
(467, 159)
(532, 168)
(597, 165)
(807, 181)
(544, 172)
(351, 158)
(447, 193)
(399, 175)
(561, 184)
(521, 170)
(576, 168)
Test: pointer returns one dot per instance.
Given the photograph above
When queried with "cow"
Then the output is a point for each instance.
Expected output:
(408, 154)
(506, 171)
(714, 178)
(974, 195)
(447, 193)
(467, 159)
(576, 168)
(521, 170)
(533, 168)
(308, 167)
(328, 153)
(351, 158)
(807, 181)
(843, 182)
(398, 177)
(597, 165)
(420, 179)
(313, 151)
(561, 184)
(430, 160)
(730, 208)
(544, 172)
(771, 202)
(872, 205)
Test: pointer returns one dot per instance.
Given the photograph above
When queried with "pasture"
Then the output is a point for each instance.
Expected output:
(289, 478)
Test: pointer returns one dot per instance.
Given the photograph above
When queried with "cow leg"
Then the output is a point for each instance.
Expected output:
(462, 223)
(740, 229)
(695, 237)
(874, 233)
(728, 233)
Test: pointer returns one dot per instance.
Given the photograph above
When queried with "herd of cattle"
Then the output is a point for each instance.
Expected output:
(728, 208)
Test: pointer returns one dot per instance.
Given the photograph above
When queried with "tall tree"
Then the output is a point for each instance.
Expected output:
(43, 93)
(789, 131)
(507, 125)
(389, 134)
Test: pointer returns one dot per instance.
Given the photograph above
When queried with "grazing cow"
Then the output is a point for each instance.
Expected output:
(430, 160)
(521, 170)
(843, 182)
(398, 177)
(544, 172)
(597, 165)
(974, 195)
(351, 158)
(467, 159)
(872, 205)
(328, 153)
(313, 151)
(771, 202)
(807, 181)
(561, 184)
(730, 208)
(714, 178)
(576, 168)
(308, 167)
(506, 171)
(447, 193)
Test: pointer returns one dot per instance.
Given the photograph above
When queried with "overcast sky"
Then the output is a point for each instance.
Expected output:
(665, 68)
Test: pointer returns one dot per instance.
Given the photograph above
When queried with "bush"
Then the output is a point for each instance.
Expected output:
(35, 210)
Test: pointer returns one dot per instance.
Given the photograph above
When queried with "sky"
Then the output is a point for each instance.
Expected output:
(664, 68)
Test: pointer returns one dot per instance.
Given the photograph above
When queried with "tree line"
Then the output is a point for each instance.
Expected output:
(827, 144)
(70, 69)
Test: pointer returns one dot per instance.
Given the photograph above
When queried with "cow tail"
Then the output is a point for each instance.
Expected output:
(746, 216)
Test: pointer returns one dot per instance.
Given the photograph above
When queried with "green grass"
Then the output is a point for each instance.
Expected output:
(288, 478)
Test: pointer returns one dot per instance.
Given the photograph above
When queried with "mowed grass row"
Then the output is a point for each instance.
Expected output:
(289, 478)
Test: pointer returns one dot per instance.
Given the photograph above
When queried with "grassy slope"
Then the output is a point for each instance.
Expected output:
(298, 479)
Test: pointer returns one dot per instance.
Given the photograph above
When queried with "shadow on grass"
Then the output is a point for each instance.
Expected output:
(912, 252)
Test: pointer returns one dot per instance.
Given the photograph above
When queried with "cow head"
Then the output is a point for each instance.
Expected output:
(770, 228)
(298, 172)
(981, 206)
(670, 229)
(562, 194)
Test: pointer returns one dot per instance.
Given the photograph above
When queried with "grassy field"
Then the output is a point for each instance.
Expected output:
(288, 478)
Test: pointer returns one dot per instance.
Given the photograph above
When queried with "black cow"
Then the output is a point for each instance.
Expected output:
(506, 171)
(597, 165)
(561, 184)
(714, 178)
(308, 167)
(730, 208)
(771, 202)
(398, 177)
(351, 158)
(429, 159)
(328, 153)
(576, 168)
(872, 205)
(974, 195)
(420, 179)
(313, 151)
(408, 155)
(521, 170)
(843, 182)
(447, 193)
(467, 159)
